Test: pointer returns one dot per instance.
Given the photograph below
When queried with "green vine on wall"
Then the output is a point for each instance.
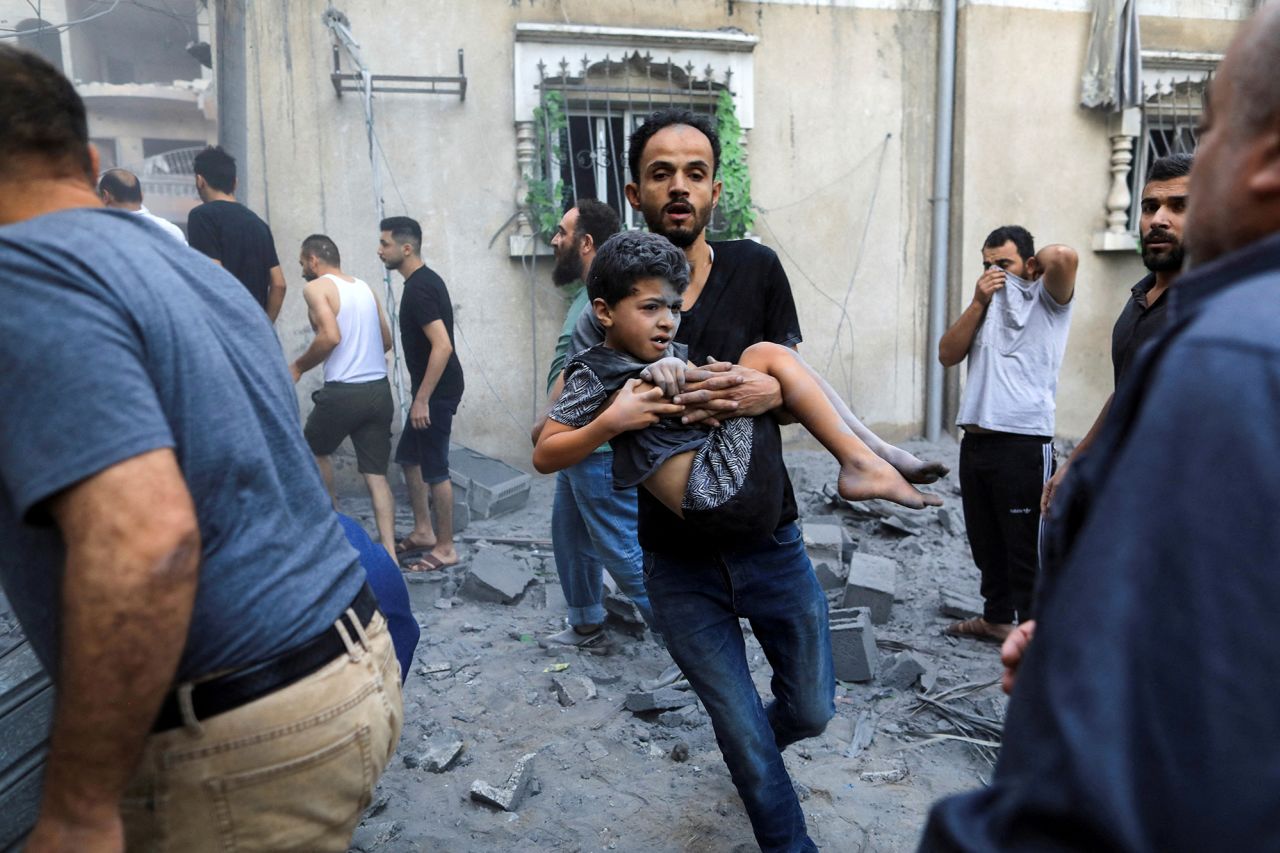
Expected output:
(736, 216)
(546, 190)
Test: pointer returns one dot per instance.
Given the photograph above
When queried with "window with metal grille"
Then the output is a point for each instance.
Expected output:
(1172, 107)
(603, 102)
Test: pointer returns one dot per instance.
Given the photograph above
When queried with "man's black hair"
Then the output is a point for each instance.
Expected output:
(403, 230)
(122, 184)
(597, 219)
(42, 119)
(629, 256)
(1016, 234)
(1170, 166)
(666, 118)
(320, 246)
(218, 168)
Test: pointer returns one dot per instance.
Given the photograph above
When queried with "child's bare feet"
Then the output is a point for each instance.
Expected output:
(871, 477)
(912, 468)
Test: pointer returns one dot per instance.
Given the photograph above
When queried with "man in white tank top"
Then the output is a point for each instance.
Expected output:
(352, 339)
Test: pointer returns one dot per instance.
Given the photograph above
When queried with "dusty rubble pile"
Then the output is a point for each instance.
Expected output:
(510, 745)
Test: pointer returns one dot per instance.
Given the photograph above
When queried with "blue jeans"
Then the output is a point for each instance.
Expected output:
(593, 528)
(697, 601)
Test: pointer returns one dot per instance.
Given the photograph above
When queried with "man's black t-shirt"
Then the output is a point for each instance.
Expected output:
(1137, 324)
(236, 237)
(426, 300)
(747, 299)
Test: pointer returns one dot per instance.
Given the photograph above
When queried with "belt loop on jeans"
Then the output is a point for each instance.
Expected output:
(187, 709)
(353, 651)
(360, 632)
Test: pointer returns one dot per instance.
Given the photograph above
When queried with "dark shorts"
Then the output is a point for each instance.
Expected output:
(429, 448)
(362, 410)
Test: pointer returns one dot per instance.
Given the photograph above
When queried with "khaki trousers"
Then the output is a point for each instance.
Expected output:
(293, 770)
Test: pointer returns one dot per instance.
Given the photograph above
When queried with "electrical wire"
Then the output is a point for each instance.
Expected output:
(62, 28)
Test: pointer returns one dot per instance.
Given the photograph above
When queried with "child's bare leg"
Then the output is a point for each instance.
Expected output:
(863, 474)
(914, 469)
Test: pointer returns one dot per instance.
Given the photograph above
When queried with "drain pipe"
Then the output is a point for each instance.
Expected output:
(941, 239)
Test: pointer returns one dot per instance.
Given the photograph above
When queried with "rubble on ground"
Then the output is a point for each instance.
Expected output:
(624, 769)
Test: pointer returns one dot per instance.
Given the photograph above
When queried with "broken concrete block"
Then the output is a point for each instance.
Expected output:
(441, 751)
(829, 548)
(507, 797)
(497, 577)
(853, 647)
(681, 718)
(951, 521)
(959, 605)
(572, 689)
(659, 700)
(895, 526)
(872, 581)
(901, 671)
(622, 614)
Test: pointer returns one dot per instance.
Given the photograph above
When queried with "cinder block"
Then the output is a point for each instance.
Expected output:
(829, 548)
(872, 581)
(853, 647)
(492, 487)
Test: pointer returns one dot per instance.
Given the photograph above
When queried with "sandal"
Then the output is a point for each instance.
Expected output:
(978, 628)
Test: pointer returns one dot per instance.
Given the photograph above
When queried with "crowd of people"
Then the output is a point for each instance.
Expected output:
(229, 651)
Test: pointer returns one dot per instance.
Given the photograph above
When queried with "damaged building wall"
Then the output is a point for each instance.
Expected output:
(453, 165)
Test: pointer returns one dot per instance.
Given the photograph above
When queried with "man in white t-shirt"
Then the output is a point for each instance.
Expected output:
(352, 339)
(120, 189)
(1013, 333)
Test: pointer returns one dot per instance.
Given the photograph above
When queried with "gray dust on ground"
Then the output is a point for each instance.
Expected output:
(482, 696)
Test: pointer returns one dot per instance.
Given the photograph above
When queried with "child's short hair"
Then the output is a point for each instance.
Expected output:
(629, 256)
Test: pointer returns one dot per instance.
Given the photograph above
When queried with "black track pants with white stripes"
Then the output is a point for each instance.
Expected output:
(1001, 478)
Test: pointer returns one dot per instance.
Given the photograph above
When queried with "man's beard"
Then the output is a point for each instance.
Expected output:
(680, 237)
(568, 268)
(394, 264)
(308, 275)
(1168, 261)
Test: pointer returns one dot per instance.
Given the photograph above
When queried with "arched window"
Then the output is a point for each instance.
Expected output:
(41, 38)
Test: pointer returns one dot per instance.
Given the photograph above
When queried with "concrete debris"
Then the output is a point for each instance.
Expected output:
(853, 646)
(881, 777)
(681, 718)
(872, 584)
(623, 608)
(902, 670)
(894, 526)
(959, 605)
(432, 667)
(829, 548)
(507, 797)
(499, 578)
(572, 689)
(441, 751)
(595, 750)
(443, 604)
(659, 700)
(951, 521)
(864, 731)
(680, 752)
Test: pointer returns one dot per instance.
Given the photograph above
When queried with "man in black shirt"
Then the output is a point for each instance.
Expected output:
(435, 375)
(232, 234)
(1164, 204)
(738, 295)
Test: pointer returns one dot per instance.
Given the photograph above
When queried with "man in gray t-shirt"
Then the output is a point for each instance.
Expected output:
(165, 539)
(1013, 333)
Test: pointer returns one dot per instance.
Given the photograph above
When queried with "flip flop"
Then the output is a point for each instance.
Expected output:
(974, 629)
(428, 563)
(405, 548)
